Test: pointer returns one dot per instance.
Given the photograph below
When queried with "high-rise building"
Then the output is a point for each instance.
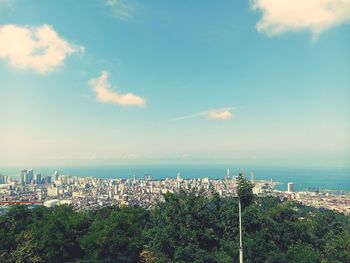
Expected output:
(22, 176)
(290, 187)
(65, 179)
(178, 177)
(55, 176)
(47, 179)
(37, 178)
(28, 177)
(4, 179)
(252, 176)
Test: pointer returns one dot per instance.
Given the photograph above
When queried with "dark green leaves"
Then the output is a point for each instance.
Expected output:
(186, 227)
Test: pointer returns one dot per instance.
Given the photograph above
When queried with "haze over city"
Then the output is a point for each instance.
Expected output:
(114, 81)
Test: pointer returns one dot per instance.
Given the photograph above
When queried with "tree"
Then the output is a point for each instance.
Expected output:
(185, 228)
(12, 224)
(337, 248)
(58, 233)
(27, 250)
(303, 253)
(116, 238)
(245, 191)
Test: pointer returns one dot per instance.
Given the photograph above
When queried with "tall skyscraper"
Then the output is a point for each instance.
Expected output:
(37, 178)
(28, 177)
(55, 176)
(22, 176)
(7, 179)
(291, 187)
(47, 179)
(178, 177)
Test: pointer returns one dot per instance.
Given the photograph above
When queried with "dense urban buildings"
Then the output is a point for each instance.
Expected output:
(85, 193)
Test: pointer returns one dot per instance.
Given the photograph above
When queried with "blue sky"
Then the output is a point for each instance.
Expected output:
(117, 81)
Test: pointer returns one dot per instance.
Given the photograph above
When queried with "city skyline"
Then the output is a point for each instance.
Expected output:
(114, 81)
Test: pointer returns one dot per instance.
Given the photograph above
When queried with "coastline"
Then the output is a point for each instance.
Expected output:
(303, 178)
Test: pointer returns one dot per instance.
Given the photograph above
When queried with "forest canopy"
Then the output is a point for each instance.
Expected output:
(186, 227)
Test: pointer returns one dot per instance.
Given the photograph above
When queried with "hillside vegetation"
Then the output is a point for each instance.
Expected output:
(187, 227)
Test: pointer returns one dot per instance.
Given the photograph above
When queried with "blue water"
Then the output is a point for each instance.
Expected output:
(324, 178)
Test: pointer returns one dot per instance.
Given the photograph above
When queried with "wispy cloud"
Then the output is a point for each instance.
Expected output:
(283, 16)
(38, 48)
(223, 114)
(105, 94)
(212, 114)
(121, 9)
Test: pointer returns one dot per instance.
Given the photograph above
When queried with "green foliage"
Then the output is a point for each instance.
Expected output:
(338, 248)
(245, 191)
(27, 250)
(58, 234)
(302, 253)
(116, 238)
(186, 227)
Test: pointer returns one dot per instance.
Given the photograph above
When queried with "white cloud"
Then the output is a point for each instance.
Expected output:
(105, 93)
(219, 115)
(213, 114)
(121, 9)
(280, 16)
(39, 48)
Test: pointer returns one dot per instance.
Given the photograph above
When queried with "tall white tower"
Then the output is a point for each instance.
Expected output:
(252, 177)
(178, 176)
(290, 187)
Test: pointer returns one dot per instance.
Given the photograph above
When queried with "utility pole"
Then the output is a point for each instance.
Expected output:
(240, 231)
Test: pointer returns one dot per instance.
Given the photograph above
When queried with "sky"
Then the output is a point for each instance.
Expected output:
(193, 81)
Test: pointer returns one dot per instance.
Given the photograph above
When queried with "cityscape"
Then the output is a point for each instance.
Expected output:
(175, 131)
(89, 193)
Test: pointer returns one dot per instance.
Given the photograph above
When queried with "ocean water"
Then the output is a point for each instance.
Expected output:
(324, 178)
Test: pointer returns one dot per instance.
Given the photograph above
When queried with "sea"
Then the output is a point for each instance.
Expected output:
(332, 178)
